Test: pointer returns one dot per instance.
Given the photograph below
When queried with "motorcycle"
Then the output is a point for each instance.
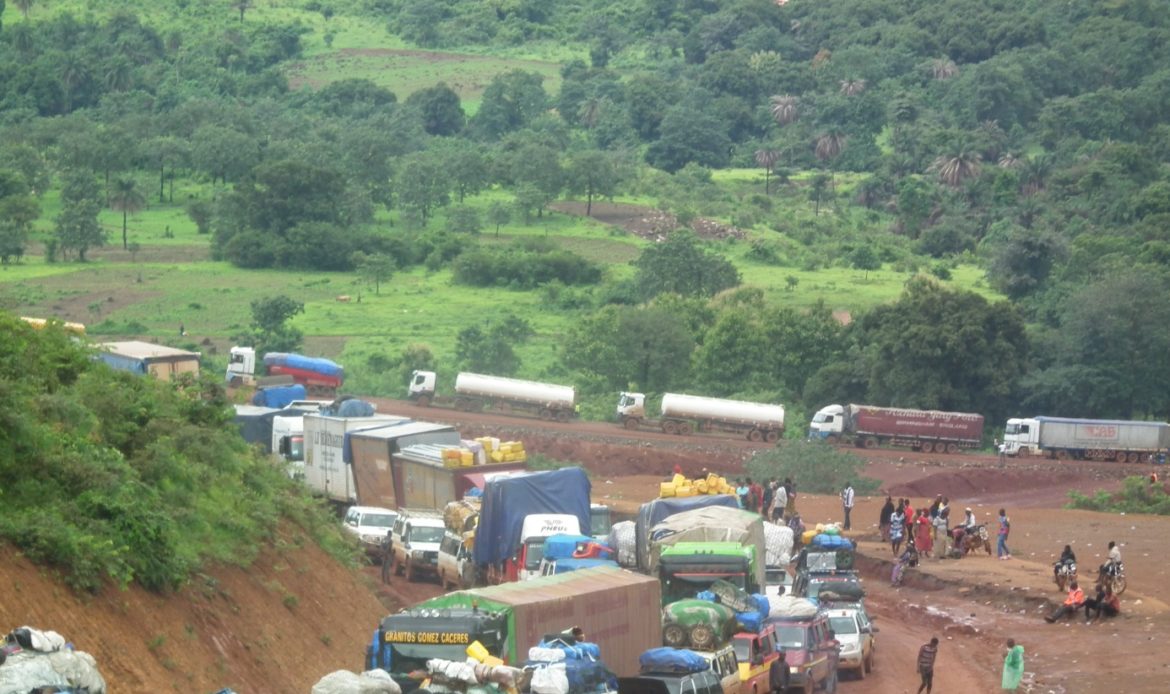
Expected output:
(971, 540)
(1066, 573)
(1115, 578)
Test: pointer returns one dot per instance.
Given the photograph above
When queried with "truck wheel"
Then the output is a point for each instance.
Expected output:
(772, 436)
(462, 404)
(685, 428)
(410, 572)
(1062, 454)
(631, 423)
(546, 415)
(703, 637)
(423, 401)
(927, 447)
(669, 427)
(1133, 457)
(952, 448)
(832, 439)
(870, 442)
(562, 415)
(674, 635)
(755, 435)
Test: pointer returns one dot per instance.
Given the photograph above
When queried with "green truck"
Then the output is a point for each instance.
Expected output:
(687, 568)
(617, 609)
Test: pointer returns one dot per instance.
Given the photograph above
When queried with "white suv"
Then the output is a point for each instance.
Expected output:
(856, 636)
(414, 542)
(369, 524)
(455, 567)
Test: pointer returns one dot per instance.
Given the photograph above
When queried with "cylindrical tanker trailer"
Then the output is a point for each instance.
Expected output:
(684, 414)
(477, 391)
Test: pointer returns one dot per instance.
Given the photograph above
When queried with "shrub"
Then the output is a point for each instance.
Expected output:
(816, 467)
(1137, 495)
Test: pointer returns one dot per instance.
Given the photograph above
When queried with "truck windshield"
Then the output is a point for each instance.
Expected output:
(821, 418)
(425, 534)
(1011, 429)
(378, 520)
(625, 401)
(534, 553)
(599, 522)
(743, 650)
(682, 586)
(843, 625)
(296, 448)
(790, 636)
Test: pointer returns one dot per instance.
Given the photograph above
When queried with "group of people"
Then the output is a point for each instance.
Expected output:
(1105, 603)
(1013, 666)
(917, 528)
(775, 500)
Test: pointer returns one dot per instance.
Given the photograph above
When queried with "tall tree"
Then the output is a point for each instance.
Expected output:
(241, 6)
(681, 265)
(784, 108)
(766, 159)
(127, 199)
(376, 268)
(593, 173)
(77, 227)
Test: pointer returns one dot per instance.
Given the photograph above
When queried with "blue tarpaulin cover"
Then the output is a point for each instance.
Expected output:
(278, 396)
(563, 546)
(666, 659)
(299, 361)
(508, 500)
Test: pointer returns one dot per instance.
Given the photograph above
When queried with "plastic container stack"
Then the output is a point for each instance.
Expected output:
(680, 486)
(502, 451)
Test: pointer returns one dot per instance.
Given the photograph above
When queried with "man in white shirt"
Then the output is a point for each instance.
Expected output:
(847, 501)
(1113, 560)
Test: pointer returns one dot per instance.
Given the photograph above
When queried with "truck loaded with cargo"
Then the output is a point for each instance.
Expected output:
(519, 512)
(1091, 439)
(690, 550)
(684, 414)
(507, 395)
(925, 430)
(328, 471)
(320, 377)
(617, 609)
(656, 511)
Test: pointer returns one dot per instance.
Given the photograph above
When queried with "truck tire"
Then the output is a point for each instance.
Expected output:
(952, 448)
(546, 415)
(927, 447)
(669, 427)
(832, 439)
(1133, 457)
(562, 415)
(703, 637)
(1062, 454)
(772, 436)
(674, 635)
(462, 404)
(755, 436)
(631, 423)
(685, 429)
(869, 442)
(423, 401)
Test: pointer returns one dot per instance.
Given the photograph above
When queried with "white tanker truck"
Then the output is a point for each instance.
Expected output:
(506, 395)
(683, 414)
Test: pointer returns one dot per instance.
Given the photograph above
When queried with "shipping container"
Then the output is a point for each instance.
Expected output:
(619, 610)
(370, 452)
(327, 471)
(422, 480)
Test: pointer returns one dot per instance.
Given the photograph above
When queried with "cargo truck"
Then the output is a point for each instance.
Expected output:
(1086, 439)
(922, 430)
(703, 531)
(327, 469)
(618, 610)
(518, 512)
(684, 414)
(506, 395)
(654, 512)
(320, 377)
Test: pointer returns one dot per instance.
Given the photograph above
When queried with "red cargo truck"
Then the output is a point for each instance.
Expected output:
(924, 430)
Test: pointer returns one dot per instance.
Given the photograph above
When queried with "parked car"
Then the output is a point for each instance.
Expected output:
(759, 661)
(369, 524)
(844, 586)
(724, 664)
(705, 682)
(414, 542)
(806, 645)
(455, 566)
(856, 640)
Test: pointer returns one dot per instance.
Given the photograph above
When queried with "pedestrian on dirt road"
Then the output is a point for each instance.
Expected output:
(1013, 666)
(1005, 527)
(884, 518)
(833, 650)
(790, 492)
(847, 502)
(923, 534)
(769, 497)
(943, 520)
(926, 656)
(756, 496)
(779, 502)
(387, 555)
(897, 527)
(741, 493)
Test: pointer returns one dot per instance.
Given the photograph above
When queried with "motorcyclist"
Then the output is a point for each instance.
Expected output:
(1111, 562)
(966, 527)
(1067, 558)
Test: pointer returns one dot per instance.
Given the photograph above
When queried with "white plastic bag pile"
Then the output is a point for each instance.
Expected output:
(346, 682)
(623, 538)
(777, 544)
(49, 662)
(473, 672)
(552, 679)
(790, 607)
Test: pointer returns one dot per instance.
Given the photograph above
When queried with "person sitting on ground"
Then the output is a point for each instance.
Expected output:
(1106, 603)
(1072, 603)
(1067, 557)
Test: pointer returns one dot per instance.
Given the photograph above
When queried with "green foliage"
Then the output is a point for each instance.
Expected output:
(1137, 495)
(137, 480)
(492, 349)
(77, 226)
(680, 265)
(522, 269)
(269, 330)
(622, 347)
(815, 467)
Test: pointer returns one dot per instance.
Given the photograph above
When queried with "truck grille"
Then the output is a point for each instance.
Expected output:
(431, 557)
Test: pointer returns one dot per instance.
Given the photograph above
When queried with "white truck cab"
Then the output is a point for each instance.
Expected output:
(828, 421)
(241, 368)
(631, 405)
(422, 384)
(537, 528)
(1021, 437)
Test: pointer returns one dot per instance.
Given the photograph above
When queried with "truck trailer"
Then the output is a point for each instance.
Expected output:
(506, 395)
(922, 430)
(1086, 439)
(619, 611)
(684, 414)
(320, 377)
(327, 470)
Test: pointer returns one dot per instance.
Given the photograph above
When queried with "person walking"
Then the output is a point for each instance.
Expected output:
(923, 534)
(897, 528)
(847, 502)
(926, 656)
(884, 518)
(1005, 527)
(741, 493)
(387, 556)
(1013, 666)
(833, 650)
(779, 502)
(790, 494)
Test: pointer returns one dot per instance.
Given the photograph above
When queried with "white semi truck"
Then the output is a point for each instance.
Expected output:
(326, 471)
(1086, 439)
(506, 395)
(683, 414)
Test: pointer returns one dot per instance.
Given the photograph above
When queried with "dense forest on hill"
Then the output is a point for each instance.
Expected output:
(1029, 138)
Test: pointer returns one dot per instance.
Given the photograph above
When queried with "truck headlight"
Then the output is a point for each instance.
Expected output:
(794, 670)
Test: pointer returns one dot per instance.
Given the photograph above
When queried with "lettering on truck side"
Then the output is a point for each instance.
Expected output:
(1096, 432)
(432, 637)
(555, 527)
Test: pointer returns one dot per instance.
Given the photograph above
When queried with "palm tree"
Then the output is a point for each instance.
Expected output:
(1007, 160)
(1034, 173)
(119, 75)
(829, 145)
(944, 68)
(784, 109)
(73, 72)
(960, 164)
(767, 158)
(126, 198)
(243, 6)
(24, 6)
(590, 111)
(852, 87)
